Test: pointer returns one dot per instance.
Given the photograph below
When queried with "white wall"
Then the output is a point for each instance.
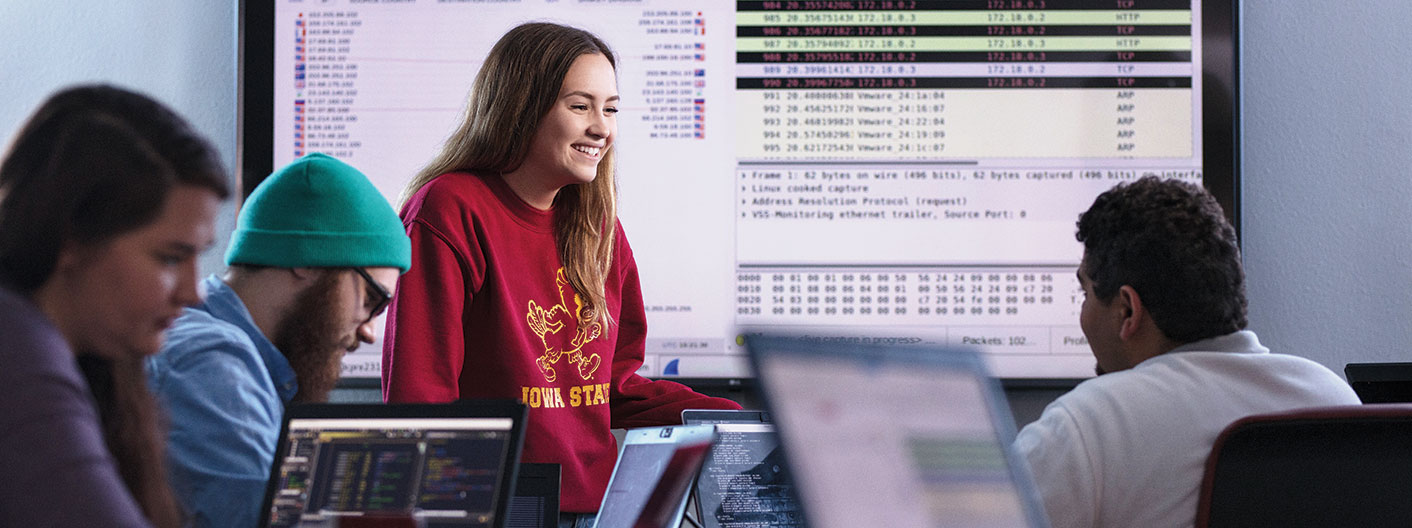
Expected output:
(181, 52)
(1327, 193)
(1326, 93)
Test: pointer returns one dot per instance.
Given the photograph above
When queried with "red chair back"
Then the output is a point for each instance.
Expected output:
(1326, 466)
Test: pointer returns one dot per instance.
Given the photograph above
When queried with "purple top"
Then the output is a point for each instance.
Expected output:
(54, 467)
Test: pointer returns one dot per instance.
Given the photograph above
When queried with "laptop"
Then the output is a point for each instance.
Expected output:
(652, 478)
(1380, 382)
(893, 436)
(432, 465)
(536, 500)
(744, 481)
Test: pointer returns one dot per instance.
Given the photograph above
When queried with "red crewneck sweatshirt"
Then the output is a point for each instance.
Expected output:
(485, 312)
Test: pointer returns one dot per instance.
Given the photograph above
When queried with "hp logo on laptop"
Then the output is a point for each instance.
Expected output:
(666, 432)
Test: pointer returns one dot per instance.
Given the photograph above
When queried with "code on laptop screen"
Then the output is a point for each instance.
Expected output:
(441, 471)
(744, 483)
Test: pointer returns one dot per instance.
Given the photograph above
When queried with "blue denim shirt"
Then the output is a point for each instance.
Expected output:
(224, 386)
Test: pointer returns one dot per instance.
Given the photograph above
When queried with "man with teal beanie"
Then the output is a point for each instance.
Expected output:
(314, 258)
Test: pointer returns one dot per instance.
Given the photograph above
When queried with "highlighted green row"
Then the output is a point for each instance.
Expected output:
(1137, 17)
(923, 44)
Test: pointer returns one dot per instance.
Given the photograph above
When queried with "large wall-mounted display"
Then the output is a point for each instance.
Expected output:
(880, 170)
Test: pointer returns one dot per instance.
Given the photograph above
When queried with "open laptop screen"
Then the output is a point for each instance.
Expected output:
(744, 483)
(441, 471)
(893, 436)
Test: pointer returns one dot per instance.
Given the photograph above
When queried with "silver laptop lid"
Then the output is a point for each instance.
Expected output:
(894, 436)
(653, 475)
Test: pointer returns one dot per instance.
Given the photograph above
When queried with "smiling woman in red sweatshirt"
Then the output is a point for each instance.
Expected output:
(522, 283)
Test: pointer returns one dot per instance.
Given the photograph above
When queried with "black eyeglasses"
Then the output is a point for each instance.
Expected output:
(383, 296)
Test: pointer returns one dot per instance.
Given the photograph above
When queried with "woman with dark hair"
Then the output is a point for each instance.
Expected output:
(522, 283)
(106, 199)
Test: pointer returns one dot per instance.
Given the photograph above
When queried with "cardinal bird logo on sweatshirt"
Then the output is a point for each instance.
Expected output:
(550, 324)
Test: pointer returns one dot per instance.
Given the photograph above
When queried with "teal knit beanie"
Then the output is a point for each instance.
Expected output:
(319, 212)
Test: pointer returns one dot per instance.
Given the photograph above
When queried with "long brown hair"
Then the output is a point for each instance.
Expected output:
(132, 430)
(93, 163)
(513, 91)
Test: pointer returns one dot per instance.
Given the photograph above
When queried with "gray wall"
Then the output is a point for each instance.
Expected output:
(181, 52)
(1326, 93)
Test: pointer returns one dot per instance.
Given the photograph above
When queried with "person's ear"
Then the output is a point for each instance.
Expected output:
(71, 256)
(305, 275)
(1132, 310)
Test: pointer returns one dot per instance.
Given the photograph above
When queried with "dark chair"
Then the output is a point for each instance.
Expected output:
(1326, 466)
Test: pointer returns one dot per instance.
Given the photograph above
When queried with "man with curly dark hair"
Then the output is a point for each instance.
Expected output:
(1164, 312)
